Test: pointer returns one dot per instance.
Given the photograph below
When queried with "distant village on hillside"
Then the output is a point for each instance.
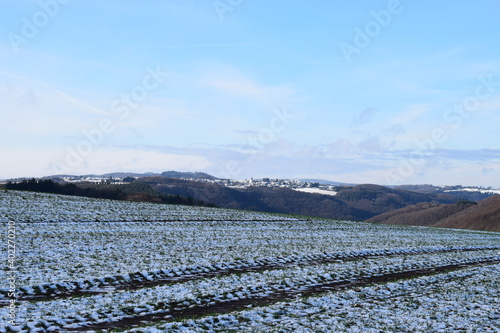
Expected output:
(303, 185)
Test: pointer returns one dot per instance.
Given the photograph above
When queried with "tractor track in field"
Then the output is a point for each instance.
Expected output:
(273, 297)
(139, 281)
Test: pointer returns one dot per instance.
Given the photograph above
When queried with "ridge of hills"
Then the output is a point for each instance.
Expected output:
(450, 207)
(171, 174)
(358, 202)
(483, 215)
(421, 205)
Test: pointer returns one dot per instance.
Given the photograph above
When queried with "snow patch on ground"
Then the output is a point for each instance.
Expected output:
(476, 190)
(315, 191)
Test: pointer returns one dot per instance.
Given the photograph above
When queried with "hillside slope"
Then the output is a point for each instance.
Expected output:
(378, 199)
(357, 203)
(272, 200)
(484, 215)
(423, 214)
(458, 191)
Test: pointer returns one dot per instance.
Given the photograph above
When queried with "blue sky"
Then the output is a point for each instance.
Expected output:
(387, 92)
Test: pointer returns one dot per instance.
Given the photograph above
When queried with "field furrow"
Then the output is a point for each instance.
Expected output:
(145, 279)
(258, 295)
(464, 300)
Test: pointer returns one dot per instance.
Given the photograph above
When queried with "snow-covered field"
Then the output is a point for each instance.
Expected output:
(315, 190)
(89, 265)
(464, 301)
(480, 190)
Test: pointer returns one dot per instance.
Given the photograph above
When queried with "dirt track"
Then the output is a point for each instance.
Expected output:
(278, 263)
(274, 297)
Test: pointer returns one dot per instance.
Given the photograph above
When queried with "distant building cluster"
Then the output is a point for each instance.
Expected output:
(233, 183)
(269, 182)
(94, 180)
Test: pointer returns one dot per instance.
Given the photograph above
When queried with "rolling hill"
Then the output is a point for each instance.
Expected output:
(357, 203)
(424, 205)
(484, 215)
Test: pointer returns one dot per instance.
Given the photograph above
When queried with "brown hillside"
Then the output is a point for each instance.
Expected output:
(423, 214)
(483, 216)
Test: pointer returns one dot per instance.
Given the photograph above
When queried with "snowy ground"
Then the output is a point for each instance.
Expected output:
(465, 301)
(315, 190)
(93, 243)
(489, 191)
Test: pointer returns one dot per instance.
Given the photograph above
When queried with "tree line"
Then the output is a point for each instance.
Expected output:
(135, 191)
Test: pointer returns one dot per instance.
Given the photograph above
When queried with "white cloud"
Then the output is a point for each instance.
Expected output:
(364, 117)
(413, 113)
(232, 82)
(19, 83)
(110, 159)
(35, 113)
(492, 104)
(25, 161)
(38, 161)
